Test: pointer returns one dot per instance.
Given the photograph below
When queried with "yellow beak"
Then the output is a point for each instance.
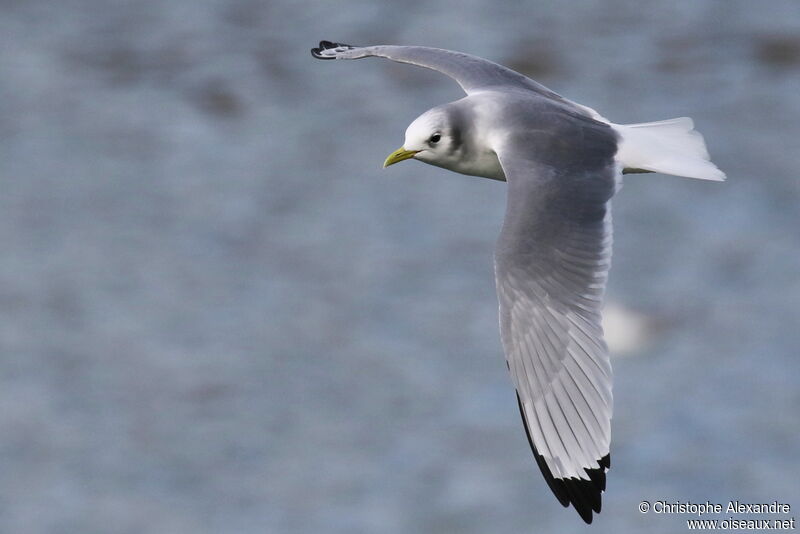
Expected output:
(399, 155)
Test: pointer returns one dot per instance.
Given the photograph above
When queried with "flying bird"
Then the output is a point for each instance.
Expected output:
(562, 162)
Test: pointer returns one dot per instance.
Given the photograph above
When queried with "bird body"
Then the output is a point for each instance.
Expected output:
(475, 118)
(562, 162)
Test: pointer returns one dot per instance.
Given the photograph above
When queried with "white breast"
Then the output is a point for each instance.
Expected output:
(484, 164)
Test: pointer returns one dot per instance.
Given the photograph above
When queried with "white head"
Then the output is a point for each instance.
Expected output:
(434, 137)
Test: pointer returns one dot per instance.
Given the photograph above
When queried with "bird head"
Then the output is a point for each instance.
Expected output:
(433, 137)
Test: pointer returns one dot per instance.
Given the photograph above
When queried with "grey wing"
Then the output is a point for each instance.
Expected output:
(551, 265)
(472, 73)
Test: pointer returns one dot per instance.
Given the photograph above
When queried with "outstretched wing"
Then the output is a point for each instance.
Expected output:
(551, 266)
(472, 73)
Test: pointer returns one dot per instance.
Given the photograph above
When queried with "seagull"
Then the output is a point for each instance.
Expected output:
(562, 162)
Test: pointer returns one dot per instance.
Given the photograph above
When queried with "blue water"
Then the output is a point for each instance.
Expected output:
(219, 315)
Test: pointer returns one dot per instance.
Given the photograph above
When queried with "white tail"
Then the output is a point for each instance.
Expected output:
(669, 147)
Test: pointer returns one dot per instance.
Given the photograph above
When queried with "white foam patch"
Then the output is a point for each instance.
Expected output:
(626, 331)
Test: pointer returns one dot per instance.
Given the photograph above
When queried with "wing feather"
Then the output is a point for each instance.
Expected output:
(551, 265)
(472, 73)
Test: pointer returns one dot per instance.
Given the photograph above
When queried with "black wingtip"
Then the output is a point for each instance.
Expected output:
(583, 495)
(316, 53)
(326, 45)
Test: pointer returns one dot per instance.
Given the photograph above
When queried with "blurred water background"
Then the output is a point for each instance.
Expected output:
(219, 315)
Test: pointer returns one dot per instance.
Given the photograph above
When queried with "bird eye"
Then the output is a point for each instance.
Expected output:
(435, 138)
